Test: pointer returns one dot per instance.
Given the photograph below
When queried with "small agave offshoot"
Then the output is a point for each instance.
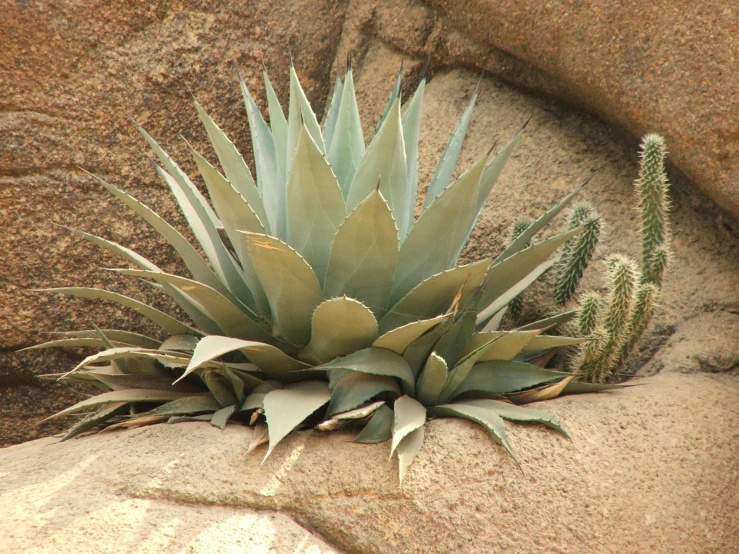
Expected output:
(323, 300)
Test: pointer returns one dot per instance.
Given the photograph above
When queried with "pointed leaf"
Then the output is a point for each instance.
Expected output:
(392, 98)
(506, 274)
(506, 345)
(375, 361)
(502, 301)
(448, 161)
(291, 286)
(236, 215)
(182, 300)
(547, 392)
(287, 408)
(193, 404)
(277, 121)
(139, 381)
(411, 131)
(192, 260)
(549, 322)
(125, 352)
(385, 163)
(130, 395)
(166, 322)
(503, 377)
(483, 416)
(349, 419)
(233, 164)
(380, 427)
(544, 342)
(434, 296)
(103, 413)
(408, 449)
(432, 380)
(73, 343)
(233, 320)
(493, 170)
(525, 238)
(400, 338)
(517, 413)
(117, 335)
(223, 263)
(329, 126)
(362, 264)
(186, 192)
(409, 416)
(272, 361)
(444, 225)
(357, 388)
(339, 327)
(270, 178)
(304, 110)
(221, 417)
(347, 145)
(315, 205)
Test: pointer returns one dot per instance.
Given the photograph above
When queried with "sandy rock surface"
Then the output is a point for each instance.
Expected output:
(649, 469)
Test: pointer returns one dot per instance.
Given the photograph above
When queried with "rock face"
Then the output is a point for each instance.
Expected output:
(649, 469)
(658, 66)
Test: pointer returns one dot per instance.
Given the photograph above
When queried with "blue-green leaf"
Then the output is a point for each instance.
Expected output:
(287, 408)
(315, 205)
(291, 285)
(347, 146)
(362, 264)
(448, 161)
(233, 164)
(384, 163)
(444, 225)
(270, 178)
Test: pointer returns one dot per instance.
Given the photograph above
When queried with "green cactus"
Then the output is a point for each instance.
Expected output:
(587, 318)
(633, 294)
(622, 275)
(652, 191)
(658, 262)
(515, 307)
(578, 252)
(586, 361)
(645, 301)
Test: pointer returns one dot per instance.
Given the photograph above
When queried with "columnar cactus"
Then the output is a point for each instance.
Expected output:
(652, 191)
(645, 300)
(587, 317)
(577, 252)
(633, 294)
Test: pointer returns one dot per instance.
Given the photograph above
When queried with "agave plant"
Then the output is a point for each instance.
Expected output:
(324, 300)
